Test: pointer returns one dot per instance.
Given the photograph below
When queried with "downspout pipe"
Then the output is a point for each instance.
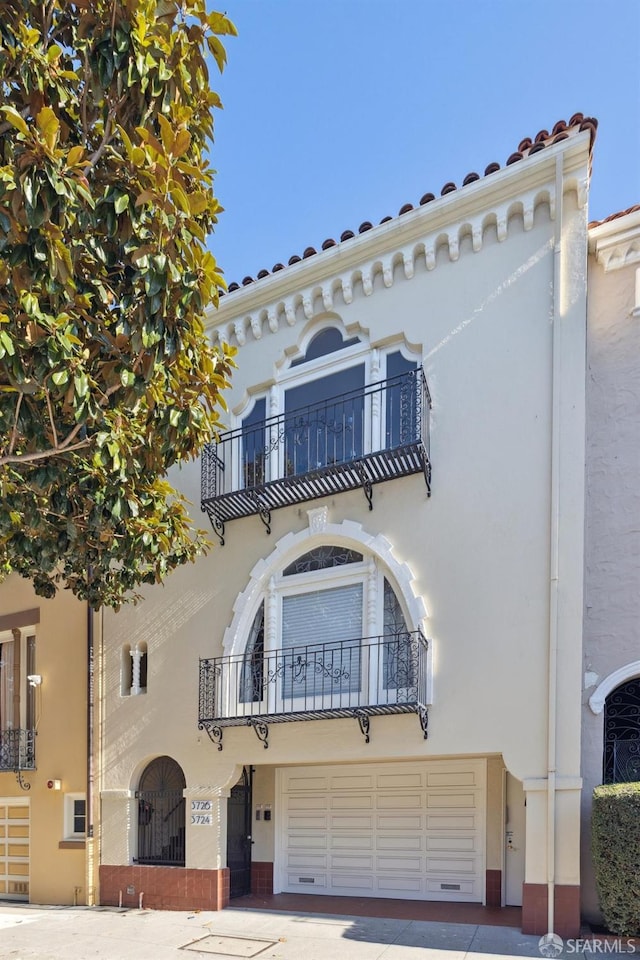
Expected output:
(554, 550)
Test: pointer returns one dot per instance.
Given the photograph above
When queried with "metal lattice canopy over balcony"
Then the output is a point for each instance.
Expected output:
(358, 439)
(357, 678)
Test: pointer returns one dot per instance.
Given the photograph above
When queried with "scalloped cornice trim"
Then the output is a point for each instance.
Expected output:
(616, 243)
(395, 250)
(347, 533)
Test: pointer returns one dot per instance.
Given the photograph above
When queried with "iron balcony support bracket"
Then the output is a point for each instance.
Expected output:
(215, 735)
(21, 783)
(367, 486)
(365, 725)
(263, 511)
(218, 526)
(261, 731)
(423, 717)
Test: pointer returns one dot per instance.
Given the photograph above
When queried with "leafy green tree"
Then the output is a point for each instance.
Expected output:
(107, 378)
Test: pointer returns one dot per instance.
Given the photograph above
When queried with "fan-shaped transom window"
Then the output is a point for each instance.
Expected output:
(326, 341)
(320, 558)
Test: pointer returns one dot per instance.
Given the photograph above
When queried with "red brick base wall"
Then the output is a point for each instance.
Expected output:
(566, 912)
(261, 878)
(494, 888)
(164, 888)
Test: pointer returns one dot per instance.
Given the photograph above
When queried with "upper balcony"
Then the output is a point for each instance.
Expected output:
(17, 750)
(357, 678)
(357, 439)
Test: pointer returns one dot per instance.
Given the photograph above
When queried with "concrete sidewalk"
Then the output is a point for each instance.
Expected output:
(108, 933)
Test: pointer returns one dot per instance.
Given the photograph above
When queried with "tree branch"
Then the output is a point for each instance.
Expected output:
(14, 432)
(41, 454)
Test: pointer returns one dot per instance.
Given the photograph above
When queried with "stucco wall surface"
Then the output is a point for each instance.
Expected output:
(612, 539)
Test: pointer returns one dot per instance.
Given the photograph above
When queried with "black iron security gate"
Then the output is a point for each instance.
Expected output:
(239, 836)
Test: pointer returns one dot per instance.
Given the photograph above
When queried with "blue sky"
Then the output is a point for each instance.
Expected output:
(339, 111)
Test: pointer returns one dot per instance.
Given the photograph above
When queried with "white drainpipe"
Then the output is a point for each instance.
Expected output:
(552, 679)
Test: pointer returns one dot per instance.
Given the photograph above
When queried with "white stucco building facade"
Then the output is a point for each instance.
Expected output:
(377, 677)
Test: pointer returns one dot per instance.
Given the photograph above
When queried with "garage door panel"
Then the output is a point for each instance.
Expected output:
(363, 782)
(342, 883)
(448, 822)
(408, 801)
(347, 802)
(339, 822)
(352, 843)
(400, 823)
(452, 844)
(451, 778)
(410, 844)
(440, 865)
(315, 884)
(307, 823)
(399, 781)
(407, 830)
(344, 862)
(400, 887)
(14, 850)
(401, 864)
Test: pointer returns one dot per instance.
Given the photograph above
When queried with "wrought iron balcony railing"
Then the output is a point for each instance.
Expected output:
(17, 750)
(622, 761)
(357, 678)
(355, 440)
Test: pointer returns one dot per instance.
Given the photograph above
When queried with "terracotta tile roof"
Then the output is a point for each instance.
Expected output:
(526, 148)
(615, 216)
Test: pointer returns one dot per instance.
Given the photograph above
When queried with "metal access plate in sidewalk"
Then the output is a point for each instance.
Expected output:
(225, 946)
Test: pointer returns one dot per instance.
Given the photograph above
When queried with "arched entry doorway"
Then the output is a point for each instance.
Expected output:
(161, 814)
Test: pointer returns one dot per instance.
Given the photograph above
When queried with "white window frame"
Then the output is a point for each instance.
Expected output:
(68, 831)
(7, 636)
(375, 371)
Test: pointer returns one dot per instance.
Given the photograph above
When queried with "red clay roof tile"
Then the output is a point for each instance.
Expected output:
(526, 148)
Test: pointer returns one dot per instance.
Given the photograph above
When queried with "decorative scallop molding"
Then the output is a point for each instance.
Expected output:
(616, 243)
(347, 533)
(602, 691)
(400, 265)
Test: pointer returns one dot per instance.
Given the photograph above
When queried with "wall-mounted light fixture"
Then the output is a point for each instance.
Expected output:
(34, 679)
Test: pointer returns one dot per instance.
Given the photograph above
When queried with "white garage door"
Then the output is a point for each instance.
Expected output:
(411, 831)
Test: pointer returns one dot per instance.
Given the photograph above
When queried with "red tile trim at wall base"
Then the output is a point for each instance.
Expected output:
(566, 909)
(494, 888)
(261, 878)
(164, 888)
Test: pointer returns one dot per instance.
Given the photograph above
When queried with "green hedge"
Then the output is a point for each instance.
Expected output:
(615, 845)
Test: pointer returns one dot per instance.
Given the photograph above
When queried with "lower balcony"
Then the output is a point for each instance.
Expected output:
(357, 678)
(17, 750)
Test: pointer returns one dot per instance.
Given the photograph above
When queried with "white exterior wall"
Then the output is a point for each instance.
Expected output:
(612, 548)
(478, 551)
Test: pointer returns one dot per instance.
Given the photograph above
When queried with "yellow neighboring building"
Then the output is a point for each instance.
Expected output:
(43, 746)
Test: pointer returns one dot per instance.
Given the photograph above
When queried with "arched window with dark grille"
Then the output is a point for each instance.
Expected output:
(621, 761)
(161, 814)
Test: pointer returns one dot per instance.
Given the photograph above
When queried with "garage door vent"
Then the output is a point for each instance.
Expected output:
(306, 879)
(449, 886)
